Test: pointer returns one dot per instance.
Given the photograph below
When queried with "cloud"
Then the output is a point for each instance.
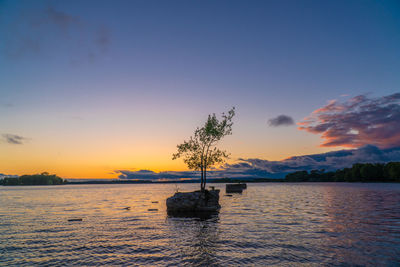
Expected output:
(357, 122)
(329, 161)
(259, 168)
(150, 175)
(14, 139)
(37, 30)
(2, 176)
(63, 20)
(6, 104)
(103, 37)
(281, 120)
(231, 172)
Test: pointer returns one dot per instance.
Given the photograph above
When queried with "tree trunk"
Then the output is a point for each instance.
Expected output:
(205, 177)
(202, 179)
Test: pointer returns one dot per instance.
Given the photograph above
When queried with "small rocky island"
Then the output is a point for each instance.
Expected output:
(200, 153)
(193, 202)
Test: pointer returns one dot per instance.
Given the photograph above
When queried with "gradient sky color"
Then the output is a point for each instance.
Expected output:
(99, 86)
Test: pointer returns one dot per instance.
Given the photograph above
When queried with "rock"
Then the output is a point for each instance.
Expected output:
(197, 201)
(154, 202)
(234, 188)
(75, 220)
(152, 209)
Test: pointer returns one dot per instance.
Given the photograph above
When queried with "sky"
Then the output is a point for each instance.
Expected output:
(102, 89)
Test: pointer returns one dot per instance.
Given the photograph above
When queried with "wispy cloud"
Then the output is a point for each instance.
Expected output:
(6, 104)
(34, 31)
(281, 120)
(260, 168)
(63, 20)
(150, 175)
(357, 122)
(14, 139)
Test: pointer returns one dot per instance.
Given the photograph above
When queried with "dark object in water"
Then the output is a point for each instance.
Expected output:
(244, 186)
(75, 220)
(228, 195)
(152, 209)
(197, 201)
(234, 188)
(127, 208)
(154, 202)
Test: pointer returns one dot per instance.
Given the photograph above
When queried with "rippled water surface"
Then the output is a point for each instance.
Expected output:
(269, 224)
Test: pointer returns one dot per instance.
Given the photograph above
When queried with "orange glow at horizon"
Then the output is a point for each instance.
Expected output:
(97, 153)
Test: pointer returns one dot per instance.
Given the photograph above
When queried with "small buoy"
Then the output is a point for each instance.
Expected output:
(75, 220)
(152, 209)
(154, 202)
(127, 208)
(228, 195)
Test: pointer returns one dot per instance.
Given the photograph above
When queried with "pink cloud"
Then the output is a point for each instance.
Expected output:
(357, 122)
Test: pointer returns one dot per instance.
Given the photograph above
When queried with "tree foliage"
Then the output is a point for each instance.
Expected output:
(35, 179)
(359, 172)
(200, 152)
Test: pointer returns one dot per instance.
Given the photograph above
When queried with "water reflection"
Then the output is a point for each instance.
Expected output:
(269, 224)
(197, 239)
(358, 218)
(201, 215)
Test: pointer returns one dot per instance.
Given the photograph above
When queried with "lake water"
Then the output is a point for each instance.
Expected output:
(310, 224)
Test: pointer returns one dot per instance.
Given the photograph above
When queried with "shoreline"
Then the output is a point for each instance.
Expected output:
(210, 182)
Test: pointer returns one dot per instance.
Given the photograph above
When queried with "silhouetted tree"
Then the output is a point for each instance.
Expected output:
(299, 176)
(10, 181)
(200, 151)
(392, 171)
(35, 179)
(371, 172)
(359, 172)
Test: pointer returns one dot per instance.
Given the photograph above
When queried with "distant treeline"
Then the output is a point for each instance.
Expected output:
(189, 181)
(245, 180)
(360, 172)
(36, 179)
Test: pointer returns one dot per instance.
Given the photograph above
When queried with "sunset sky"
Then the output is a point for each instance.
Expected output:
(93, 89)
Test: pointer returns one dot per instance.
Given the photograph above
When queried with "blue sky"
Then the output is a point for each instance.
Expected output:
(130, 79)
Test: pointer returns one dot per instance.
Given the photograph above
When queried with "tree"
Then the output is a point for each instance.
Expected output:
(392, 171)
(35, 179)
(355, 172)
(299, 176)
(200, 151)
(371, 172)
